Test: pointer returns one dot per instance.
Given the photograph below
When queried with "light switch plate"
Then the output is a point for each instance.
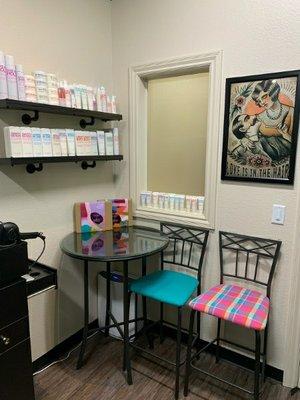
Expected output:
(278, 214)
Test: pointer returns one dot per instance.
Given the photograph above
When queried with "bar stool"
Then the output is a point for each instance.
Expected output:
(253, 261)
(166, 286)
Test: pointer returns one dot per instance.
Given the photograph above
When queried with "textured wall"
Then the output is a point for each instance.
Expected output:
(256, 37)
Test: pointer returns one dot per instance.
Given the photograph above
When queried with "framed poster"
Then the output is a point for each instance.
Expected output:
(261, 128)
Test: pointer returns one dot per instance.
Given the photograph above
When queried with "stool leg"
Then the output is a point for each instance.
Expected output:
(257, 365)
(265, 353)
(126, 306)
(188, 354)
(161, 324)
(107, 319)
(178, 351)
(135, 315)
(218, 341)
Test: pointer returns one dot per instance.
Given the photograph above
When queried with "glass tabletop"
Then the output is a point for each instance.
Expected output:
(123, 244)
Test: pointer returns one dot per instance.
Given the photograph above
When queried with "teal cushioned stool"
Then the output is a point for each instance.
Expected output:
(187, 249)
(168, 287)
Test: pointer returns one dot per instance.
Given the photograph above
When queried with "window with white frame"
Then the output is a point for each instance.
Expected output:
(174, 139)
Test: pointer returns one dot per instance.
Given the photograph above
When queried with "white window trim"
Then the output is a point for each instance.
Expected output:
(138, 92)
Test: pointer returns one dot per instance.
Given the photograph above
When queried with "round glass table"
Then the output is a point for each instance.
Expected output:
(125, 244)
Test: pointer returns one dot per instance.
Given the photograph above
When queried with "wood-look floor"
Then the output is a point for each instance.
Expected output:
(102, 378)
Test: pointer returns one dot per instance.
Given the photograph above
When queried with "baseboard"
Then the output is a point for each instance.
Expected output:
(229, 355)
(61, 349)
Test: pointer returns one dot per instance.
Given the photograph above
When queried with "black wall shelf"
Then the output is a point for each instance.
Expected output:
(34, 164)
(8, 104)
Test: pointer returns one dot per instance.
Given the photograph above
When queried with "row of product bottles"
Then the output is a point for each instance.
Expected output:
(172, 201)
(45, 142)
(42, 87)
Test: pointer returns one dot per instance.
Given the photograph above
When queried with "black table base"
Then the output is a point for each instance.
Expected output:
(109, 316)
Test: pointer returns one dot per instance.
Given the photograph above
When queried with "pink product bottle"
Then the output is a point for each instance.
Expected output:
(62, 95)
(3, 83)
(20, 82)
(11, 77)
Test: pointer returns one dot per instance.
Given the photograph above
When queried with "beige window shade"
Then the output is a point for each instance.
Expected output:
(176, 146)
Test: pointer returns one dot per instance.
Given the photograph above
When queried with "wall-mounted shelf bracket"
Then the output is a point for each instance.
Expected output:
(27, 119)
(31, 168)
(84, 123)
(86, 165)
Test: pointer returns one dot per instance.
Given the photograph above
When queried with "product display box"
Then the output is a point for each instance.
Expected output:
(93, 216)
(122, 212)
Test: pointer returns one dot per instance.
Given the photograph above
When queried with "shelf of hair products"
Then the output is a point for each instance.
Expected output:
(45, 88)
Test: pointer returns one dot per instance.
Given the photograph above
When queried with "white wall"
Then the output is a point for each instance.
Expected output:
(256, 37)
(73, 39)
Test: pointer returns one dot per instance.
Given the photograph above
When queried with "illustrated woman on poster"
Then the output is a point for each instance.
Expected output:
(276, 120)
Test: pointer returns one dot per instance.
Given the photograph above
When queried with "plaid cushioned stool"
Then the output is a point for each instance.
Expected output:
(245, 307)
(253, 260)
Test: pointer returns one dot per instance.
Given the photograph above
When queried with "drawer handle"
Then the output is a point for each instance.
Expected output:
(5, 340)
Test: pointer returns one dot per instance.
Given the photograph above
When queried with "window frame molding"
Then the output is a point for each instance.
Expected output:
(138, 93)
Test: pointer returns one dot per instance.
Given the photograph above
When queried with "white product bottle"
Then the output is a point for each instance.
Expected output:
(13, 141)
(108, 104)
(113, 104)
(73, 97)
(103, 99)
(90, 98)
(3, 83)
(84, 100)
(20, 82)
(37, 142)
(101, 143)
(11, 77)
(116, 141)
(98, 99)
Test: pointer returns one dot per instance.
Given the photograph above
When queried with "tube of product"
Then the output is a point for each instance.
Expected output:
(3, 82)
(148, 199)
(181, 202)
(11, 77)
(188, 203)
(167, 201)
(143, 196)
(155, 199)
(176, 202)
(20, 82)
(161, 200)
(200, 204)
(193, 204)
(172, 201)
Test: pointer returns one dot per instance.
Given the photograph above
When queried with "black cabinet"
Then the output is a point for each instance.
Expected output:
(16, 381)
